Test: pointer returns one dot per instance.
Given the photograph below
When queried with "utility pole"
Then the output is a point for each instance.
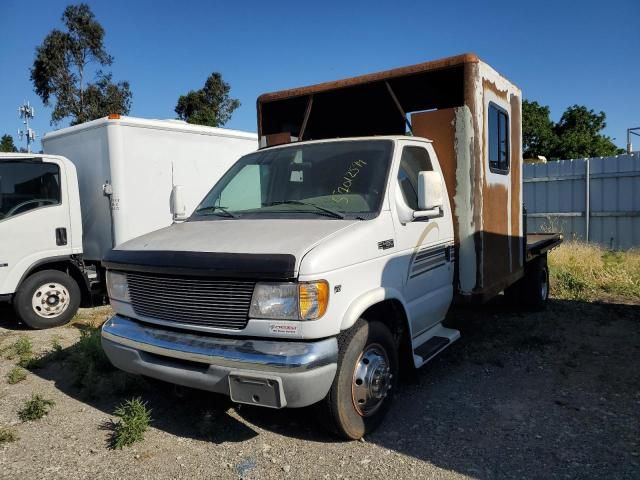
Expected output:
(27, 112)
(631, 131)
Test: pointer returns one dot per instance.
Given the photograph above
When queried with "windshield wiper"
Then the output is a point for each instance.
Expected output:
(333, 213)
(215, 210)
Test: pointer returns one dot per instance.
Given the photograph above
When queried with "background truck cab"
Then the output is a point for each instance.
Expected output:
(98, 184)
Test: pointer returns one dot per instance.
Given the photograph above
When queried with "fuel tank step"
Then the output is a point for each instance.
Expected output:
(433, 341)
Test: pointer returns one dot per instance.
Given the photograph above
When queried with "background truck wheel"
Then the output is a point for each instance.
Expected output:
(367, 373)
(532, 290)
(46, 299)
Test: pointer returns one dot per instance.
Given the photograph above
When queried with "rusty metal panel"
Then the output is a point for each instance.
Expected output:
(372, 77)
(439, 126)
(497, 198)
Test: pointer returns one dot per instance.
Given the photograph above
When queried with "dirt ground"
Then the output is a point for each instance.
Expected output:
(546, 395)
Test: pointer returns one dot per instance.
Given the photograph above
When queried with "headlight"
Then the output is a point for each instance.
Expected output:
(290, 301)
(117, 287)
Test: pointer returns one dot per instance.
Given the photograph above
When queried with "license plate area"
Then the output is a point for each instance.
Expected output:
(265, 391)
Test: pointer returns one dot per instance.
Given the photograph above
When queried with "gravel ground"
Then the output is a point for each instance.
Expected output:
(548, 395)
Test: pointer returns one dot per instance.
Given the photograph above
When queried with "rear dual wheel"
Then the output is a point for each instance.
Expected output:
(532, 290)
(365, 380)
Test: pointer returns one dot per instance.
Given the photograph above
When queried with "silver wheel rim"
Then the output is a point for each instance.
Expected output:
(371, 381)
(50, 300)
(544, 288)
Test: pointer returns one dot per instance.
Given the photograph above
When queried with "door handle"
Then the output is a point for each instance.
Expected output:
(61, 236)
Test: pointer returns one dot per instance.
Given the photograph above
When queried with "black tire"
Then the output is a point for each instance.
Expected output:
(339, 411)
(536, 284)
(48, 285)
(532, 290)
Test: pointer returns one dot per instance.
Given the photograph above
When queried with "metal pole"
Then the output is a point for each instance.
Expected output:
(400, 109)
(631, 131)
(587, 201)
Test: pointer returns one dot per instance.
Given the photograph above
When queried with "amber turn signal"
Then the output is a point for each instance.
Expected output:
(313, 299)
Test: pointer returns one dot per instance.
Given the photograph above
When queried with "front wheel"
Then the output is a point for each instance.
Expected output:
(365, 379)
(47, 299)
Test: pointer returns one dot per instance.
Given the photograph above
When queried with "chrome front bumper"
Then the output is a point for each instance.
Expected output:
(303, 370)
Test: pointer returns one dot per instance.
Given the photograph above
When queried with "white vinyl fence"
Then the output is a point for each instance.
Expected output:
(592, 199)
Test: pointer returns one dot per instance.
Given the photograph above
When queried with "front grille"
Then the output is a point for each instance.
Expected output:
(194, 301)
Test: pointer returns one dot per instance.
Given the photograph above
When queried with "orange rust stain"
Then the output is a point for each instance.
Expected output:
(496, 241)
(278, 138)
(464, 59)
(438, 125)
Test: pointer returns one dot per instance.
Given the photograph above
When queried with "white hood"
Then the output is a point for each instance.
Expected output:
(286, 236)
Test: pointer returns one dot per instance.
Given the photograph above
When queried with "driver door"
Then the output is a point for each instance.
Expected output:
(426, 243)
(34, 217)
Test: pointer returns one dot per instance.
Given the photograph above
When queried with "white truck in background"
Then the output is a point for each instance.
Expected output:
(97, 185)
(322, 265)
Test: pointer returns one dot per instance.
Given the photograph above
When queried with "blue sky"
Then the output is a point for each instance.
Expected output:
(560, 53)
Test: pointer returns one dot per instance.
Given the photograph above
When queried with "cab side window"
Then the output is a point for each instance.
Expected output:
(499, 151)
(413, 161)
(27, 185)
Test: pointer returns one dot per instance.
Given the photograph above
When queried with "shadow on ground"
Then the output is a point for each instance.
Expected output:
(9, 320)
(550, 394)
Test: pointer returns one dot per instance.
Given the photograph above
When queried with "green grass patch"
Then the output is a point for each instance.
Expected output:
(15, 375)
(585, 272)
(56, 346)
(35, 408)
(90, 369)
(134, 420)
(7, 435)
(21, 349)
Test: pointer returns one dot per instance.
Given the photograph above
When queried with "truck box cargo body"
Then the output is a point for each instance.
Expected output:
(323, 264)
(458, 103)
(128, 166)
(97, 185)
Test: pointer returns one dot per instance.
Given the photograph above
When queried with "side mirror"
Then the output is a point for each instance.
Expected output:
(430, 195)
(178, 208)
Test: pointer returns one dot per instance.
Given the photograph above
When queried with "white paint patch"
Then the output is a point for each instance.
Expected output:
(463, 199)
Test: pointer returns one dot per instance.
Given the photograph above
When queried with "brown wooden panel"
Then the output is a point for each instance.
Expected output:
(278, 139)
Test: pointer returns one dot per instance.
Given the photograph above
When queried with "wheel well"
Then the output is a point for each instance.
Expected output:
(393, 315)
(68, 267)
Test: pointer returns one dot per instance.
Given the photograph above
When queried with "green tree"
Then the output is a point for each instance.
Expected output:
(538, 136)
(579, 131)
(578, 134)
(61, 69)
(7, 145)
(211, 105)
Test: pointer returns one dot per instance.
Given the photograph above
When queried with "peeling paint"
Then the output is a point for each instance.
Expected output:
(463, 200)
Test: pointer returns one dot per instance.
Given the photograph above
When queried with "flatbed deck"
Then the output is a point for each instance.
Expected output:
(539, 243)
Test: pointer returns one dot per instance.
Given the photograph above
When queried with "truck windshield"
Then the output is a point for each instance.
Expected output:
(342, 179)
(26, 185)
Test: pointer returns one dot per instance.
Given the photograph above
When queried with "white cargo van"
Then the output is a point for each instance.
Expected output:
(335, 268)
(97, 185)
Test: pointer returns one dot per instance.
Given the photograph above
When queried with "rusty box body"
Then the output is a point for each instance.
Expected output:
(452, 102)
